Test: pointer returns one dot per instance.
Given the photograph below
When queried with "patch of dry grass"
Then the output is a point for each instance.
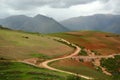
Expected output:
(21, 45)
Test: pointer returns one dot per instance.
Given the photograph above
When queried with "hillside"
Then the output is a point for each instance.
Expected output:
(18, 45)
(38, 23)
(99, 42)
(92, 43)
(101, 22)
(79, 68)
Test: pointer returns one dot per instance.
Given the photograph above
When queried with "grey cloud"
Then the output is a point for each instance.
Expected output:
(113, 5)
(32, 7)
(116, 6)
(28, 4)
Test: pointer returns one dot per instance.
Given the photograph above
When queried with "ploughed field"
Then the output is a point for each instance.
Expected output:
(100, 42)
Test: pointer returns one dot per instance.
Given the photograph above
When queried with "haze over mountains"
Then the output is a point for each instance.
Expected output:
(101, 22)
(43, 24)
(39, 23)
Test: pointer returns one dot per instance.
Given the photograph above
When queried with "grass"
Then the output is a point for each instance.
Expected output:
(78, 67)
(41, 56)
(23, 45)
(102, 42)
(21, 71)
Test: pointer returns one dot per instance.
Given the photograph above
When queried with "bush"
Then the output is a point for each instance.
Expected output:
(83, 52)
(112, 65)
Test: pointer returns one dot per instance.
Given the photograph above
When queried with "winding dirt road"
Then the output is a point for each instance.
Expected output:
(45, 64)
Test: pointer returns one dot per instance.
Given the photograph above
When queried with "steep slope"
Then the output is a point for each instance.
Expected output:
(39, 23)
(110, 23)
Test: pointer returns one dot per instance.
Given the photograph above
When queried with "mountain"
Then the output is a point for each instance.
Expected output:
(14, 22)
(102, 22)
(39, 23)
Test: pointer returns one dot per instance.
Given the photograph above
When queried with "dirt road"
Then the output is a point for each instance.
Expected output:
(45, 64)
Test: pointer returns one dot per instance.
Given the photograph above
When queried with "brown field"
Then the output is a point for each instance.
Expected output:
(103, 43)
(80, 68)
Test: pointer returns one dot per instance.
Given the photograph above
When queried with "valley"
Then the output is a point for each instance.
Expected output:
(59, 40)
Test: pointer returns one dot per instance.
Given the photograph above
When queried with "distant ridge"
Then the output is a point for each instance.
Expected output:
(39, 23)
(101, 22)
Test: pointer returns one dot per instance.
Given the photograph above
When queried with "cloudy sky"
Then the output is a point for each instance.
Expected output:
(58, 9)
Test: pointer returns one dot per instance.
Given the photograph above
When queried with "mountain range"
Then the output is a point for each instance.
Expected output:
(44, 24)
(38, 23)
(100, 22)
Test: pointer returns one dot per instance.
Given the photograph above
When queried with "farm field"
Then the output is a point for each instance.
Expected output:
(99, 42)
(79, 68)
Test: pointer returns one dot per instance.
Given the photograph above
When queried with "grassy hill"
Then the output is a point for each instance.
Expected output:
(17, 45)
(101, 42)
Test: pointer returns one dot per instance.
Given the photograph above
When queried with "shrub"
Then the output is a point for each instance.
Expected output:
(112, 65)
(83, 52)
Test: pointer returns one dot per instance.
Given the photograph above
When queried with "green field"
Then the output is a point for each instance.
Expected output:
(77, 67)
(21, 45)
(21, 71)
